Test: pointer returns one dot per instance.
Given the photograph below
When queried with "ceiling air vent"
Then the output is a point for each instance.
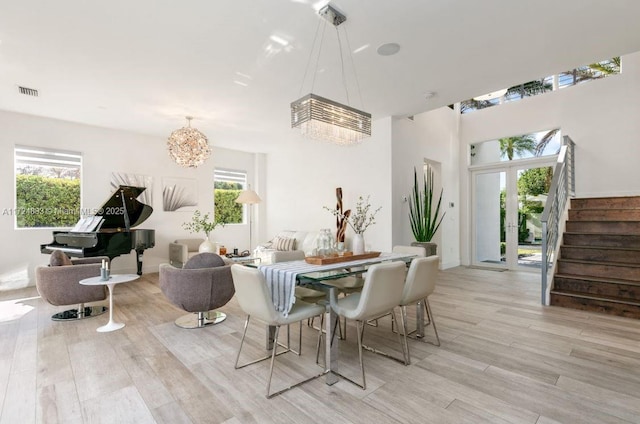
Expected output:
(28, 91)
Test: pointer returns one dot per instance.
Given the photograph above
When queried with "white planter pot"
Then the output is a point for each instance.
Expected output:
(357, 244)
(207, 246)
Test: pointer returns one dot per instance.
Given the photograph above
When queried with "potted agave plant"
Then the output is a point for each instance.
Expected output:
(425, 219)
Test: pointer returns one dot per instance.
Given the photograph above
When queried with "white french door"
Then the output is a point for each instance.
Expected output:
(505, 220)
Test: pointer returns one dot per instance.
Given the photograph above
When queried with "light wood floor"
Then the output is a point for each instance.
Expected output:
(504, 359)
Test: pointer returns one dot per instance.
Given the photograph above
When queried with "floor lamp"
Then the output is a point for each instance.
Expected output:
(249, 197)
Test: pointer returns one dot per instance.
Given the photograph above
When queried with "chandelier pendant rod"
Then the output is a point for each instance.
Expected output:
(353, 66)
(306, 69)
(344, 76)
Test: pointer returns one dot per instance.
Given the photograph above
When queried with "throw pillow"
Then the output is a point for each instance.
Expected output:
(59, 258)
(284, 243)
(204, 260)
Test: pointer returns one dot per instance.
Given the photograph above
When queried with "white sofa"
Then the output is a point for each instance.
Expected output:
(305, 241)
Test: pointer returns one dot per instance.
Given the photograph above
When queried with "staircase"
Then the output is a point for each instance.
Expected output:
(598, 266)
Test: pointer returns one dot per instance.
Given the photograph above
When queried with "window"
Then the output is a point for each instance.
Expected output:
(227, 185)
(524, 146)
(579, 75)
(47, 187)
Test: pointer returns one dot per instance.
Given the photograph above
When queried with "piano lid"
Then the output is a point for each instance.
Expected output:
(123, 210)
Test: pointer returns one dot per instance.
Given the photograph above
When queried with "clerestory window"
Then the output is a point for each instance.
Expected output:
(576, 76)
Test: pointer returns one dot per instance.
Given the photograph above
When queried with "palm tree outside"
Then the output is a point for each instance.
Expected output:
(574, 76)
(517, 146)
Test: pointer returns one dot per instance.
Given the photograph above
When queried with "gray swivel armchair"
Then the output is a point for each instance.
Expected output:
(204, 284)
(58, 284)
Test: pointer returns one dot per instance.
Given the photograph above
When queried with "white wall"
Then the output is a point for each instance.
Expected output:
(600, 116)
(431, 136)
(302, 177)
(295, 182)
(104, 151)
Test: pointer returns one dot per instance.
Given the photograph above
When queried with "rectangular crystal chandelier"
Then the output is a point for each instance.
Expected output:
(323, 119)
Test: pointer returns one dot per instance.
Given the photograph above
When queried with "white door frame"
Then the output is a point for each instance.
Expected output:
(510, 168)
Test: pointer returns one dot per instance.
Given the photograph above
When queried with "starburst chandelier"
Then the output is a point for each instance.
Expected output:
(188, 147)
(324, 119)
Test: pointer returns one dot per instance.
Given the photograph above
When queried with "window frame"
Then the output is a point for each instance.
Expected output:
(45, 157)
(242, 178)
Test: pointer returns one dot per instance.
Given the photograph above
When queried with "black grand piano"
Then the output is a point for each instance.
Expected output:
(115, 235)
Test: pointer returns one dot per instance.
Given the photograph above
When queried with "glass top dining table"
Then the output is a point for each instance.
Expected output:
(301, 272)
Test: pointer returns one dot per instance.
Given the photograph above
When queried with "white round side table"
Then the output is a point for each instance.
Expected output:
(110, 283)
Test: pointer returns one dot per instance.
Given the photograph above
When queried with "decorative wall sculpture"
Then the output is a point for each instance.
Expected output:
(179, 194)
(135, 180)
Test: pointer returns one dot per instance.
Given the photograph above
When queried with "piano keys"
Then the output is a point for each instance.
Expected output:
(116, 237)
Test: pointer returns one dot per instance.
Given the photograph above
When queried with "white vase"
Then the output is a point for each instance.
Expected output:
(207, 246)
(357, 244)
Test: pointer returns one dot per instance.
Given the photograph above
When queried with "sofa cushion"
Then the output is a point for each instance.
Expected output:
(59, 258)
(204, 260)
(283, 243)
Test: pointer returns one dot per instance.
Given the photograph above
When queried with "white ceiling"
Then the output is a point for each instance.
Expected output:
(142, 65)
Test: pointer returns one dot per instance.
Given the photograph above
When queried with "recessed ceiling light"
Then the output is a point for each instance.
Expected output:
(244, 84)
(388, 49)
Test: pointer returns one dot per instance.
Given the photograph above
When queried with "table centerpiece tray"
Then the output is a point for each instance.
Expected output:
(345, 257)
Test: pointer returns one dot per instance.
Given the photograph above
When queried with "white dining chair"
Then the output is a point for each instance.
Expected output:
(419, 284)
(381, 293)
(418, 251)
(255, 300)
(304, 293)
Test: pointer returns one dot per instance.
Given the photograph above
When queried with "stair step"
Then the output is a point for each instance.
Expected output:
(623, 289)
(623, 202)
(610, 214)
(604, 304)
(631, 241)
(629, 272)
(601, 254)
(604, 227)
(598, 265)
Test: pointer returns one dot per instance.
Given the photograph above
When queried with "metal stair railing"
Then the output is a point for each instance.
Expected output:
(562, 188)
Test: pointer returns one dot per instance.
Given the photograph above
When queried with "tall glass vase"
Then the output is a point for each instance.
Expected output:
(357, 244)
